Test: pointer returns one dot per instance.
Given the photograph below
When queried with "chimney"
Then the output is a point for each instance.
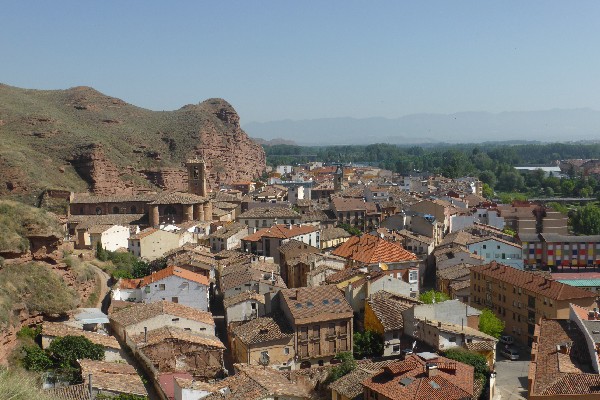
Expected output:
(145, 334)
(432, 370)
(90, 386)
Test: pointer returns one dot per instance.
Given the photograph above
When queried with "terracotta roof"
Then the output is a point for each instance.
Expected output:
(415, 236)
(86, 198)
(178, 198)
(55, 329)
(270, 212)
(72, 392)
(460, 285)
(87, 221)
(455, 272)
(250, 274)
(281, 232)
(344, 204)
(554, 374)
(320, 303)
(389, 310)
(263, 329)
(245, 296)
(95, 229)
(344, 274)
(371, 249)
(460, 237)
(485, 345)
(170, 333)
(294, 245)
(139, 312)
(173, 270)
(532, 282)
(114, 377)
(408, 379)
(350, 385)
(143, 234)
(333, 233)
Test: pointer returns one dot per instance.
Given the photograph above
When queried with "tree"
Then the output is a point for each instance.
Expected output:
(36, 359)
(67, 350)
(586, 220)
(368, 344)
(350, 229)
(487, 191)
(490, 324)
(346, 366)
(140, 269)
(477, 361)
(429, 296)
(101, 254)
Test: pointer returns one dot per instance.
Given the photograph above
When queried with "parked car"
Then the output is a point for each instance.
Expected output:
(506, 339)
(509, 353)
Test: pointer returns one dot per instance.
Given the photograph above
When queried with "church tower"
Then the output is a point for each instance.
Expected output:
(196, 176)
(338, 182)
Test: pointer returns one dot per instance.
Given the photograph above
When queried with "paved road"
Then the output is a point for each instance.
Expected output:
(511, 378)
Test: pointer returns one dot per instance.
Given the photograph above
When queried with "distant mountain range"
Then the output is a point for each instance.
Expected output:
(557, 125)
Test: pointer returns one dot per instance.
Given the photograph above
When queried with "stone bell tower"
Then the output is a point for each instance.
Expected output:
(338, 182)
(196, 176)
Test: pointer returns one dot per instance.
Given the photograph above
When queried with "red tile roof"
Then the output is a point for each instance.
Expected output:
(532, 282)
(281, 231)
(173, 270)
(320, 303)
(371, 249)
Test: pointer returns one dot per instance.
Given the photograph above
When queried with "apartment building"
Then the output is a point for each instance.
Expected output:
(555, 251)
(521, 298)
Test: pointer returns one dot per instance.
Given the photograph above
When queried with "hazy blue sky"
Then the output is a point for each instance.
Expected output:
(311, 59)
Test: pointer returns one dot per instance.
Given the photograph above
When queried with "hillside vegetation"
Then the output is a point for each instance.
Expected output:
(18, 221)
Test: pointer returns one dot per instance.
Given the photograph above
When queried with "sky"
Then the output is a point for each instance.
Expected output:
(275, 60)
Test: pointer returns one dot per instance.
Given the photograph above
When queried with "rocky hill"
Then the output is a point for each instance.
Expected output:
(80, 139)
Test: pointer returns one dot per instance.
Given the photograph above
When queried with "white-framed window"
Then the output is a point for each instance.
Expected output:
(396, 349)
(413, 276)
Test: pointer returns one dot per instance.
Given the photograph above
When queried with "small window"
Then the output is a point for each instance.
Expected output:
(286, 350)
(396, 349)
(162, 287)
(452, 339)
(175, 319)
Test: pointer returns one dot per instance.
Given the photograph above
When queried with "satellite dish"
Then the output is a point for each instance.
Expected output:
(264, 359)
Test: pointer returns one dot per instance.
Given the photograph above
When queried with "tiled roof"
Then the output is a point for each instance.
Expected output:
(415, 236)
(344, 274)
(224, 197)
(454, 272)
(270, 212)
(72, 392)
(170, 333)
(350, 385)
(532, 282)
(55, 329)
(460, 237)
(408, 379)
(263, 329)
(333, 233)
(281, 231)
(460, 285)
(370, 249)
(87, 221)
(555, 374)
(484, 345)
(86, 198)
(141, 312)
(125, 283)
(114, 377)
(143, 234)
(294, 245)
(320, 303)
(250, 274)
(388, 310)
(171, 270)
(344, 204)
(95, 229)
(244, 296)
(178, 198)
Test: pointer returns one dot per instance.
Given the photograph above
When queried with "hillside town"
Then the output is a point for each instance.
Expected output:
(334, 282)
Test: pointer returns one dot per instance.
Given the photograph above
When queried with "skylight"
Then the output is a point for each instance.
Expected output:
(406, 381)
(309, 304)
(298, 305)
(434, 385)
(336, 301)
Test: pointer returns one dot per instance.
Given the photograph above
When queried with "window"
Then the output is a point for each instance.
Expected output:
(316, 331)
(413, 276)
(317, 348)
(175, 299)
(162, 287)
(332, 348)
(331, 330)
(304, 332)
(115, 210)
(175, 319)
(343, 328)
(98, 211)
(396, 349)
(485, 246)
(264, 354)
(452, 339)
(286, 350)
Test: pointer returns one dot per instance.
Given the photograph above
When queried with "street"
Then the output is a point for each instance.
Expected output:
(511, 378)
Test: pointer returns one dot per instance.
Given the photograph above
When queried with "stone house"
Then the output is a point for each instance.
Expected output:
(228, 237)
(244, 307)
(333, 237)
(250, 277)
(356, 212)
(300, 269)
(139, 317)
(266, 242)
(455, 282)
(289, 251)
(262, 217)
(358, 291)
(172, 349)
(449, 256)
(112, 378)
(264, 340)
(383, 314)
(53, 330)
(152, 243)
(321, 319)
(173, 284)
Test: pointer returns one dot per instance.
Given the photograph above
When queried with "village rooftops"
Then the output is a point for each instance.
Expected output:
(344, 204)
(72, 392)
(88, 221)
(334, 233)
(171, 270)
(178, 198)
(250, 274)
(170, 333)
(228, 230)
(263, 329)
(312, 304)
(410, 379)
(143, 234)
(139, 312)
(86, 198)
(344, 274)
(244, 296)
(454, 272)
(281, 232)
(389, 310)
(56, 329)
(532, 282)
(113, 377)
(370, 249)
(350, 385)
(270, 212)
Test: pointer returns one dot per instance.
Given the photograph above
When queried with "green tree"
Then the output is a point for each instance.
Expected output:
(368, 344)
(490, 324)
(487, 191)
(36, 359)
(477, 361)
(101, 254)
(67, 350)
(431, 296)
(586, 220)
(140, 269)
(346, 366)
(350, 229)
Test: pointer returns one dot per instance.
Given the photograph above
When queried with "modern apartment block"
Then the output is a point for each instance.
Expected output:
(555, 251)
(521, 298)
